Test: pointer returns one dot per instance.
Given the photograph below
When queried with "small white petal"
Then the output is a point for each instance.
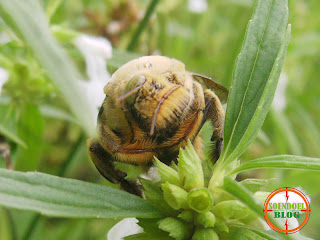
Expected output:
(124, 228)
(4, 38)
(177, 29)
(114, 27)
(279, 102)
(152, 175)
(96, 51)
(98, 46)
(4, 76)
(197, 6)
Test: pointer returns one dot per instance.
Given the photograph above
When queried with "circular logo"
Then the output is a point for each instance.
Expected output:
(286, 210)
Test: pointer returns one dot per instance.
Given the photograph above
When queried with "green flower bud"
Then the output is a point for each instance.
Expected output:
(175, 196)
(200, 200)
(205, 234)
(190, 169)
(221, 225)
(233, 209)
(176, 228)
(167, 173)
(187, 216)
(206, 219)
(154, 195)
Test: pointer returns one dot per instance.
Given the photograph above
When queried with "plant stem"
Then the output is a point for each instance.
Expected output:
(70, 157)
(142, 25)
(33, 225)
(12, 225)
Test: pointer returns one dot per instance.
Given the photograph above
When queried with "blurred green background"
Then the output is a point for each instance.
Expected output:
(33, 110)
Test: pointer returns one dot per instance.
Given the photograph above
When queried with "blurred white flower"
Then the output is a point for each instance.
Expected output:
(124, 228)
(96, 51)
(4, 38)
(177, 29)
(4, 76)
(279, 102)
(197, 6)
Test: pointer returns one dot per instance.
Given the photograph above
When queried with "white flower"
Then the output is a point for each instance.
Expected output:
(279, 102)
(124, 228)
(197, 6)
(96, 51)
(4, 76)
(177, 29)
(4, 38)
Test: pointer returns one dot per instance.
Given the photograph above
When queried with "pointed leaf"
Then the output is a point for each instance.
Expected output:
(61, 197)
(281, 161)
(256, 74)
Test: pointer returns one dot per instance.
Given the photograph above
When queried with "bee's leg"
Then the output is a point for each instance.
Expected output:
(214, 111)
(104, 163)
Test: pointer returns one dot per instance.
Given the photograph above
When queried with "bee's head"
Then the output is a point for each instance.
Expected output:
(157, 91)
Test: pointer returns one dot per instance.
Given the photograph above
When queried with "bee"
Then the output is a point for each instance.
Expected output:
(152, 107)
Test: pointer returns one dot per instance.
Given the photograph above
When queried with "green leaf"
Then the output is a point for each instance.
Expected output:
(281, 161)
(148, 236)
(154, 195)
(61, 197)
(11, 135)
(30, 129)
(307, 129)
(52, 7)
(269, 235)
(176, 228)
(244, 233)
(256, 74)
(8, 126)
(29, 20)
(57, 113)
(285, 134)
(150, 225)
(243, 194)
(255, 185)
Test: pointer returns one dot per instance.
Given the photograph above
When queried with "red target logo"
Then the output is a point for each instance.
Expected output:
(284, 205)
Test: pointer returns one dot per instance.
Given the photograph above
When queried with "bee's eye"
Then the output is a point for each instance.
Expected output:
(132, 88)
(136, 81)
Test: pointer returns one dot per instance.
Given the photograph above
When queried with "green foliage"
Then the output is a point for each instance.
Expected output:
(30, 129)
(256, 74)
(43, 89)
(54, 196)
(282, 161)
(34, 29)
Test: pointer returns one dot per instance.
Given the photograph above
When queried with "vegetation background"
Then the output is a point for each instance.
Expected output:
(33, 111)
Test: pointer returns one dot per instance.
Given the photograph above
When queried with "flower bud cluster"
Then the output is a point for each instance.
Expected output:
(193, 211)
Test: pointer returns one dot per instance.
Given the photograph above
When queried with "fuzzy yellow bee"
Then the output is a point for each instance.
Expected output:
(152, 107)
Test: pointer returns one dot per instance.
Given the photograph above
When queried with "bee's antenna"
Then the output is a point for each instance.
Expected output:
(128, 94)
(156, 111)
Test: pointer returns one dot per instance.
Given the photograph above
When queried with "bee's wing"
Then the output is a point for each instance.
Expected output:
(207, 82)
